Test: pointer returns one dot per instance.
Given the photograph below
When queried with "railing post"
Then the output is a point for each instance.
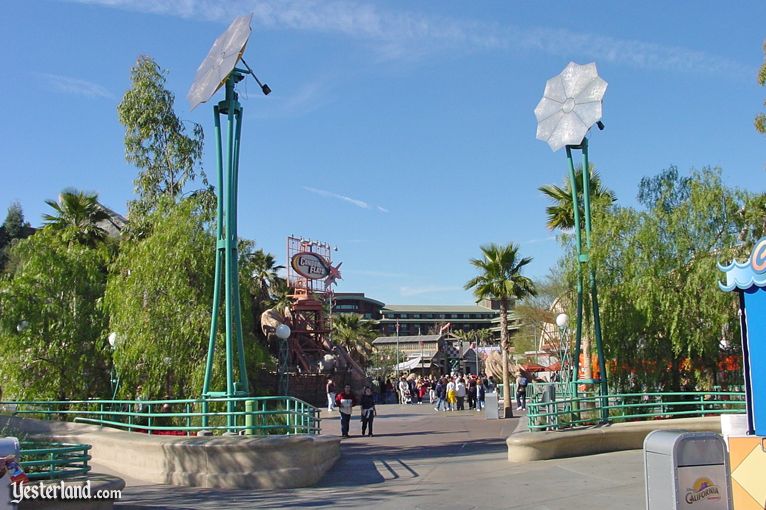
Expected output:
(149, 420)
(249, 417)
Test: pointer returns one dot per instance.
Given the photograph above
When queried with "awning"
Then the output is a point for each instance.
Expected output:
(413, 363)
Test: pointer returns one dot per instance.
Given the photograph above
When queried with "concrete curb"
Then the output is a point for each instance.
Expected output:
(531, 446)
(241, 462)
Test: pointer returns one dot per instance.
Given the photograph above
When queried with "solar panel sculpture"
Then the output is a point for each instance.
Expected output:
(219, 69)
(571, 105)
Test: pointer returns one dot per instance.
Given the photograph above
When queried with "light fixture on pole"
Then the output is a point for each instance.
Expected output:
(114, 378)
(283, 333)
(571, 105)
(219, 69)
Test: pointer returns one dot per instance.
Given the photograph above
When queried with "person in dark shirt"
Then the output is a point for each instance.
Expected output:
(368, 410)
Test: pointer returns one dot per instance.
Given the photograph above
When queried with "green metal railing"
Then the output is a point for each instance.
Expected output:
(246, 415)
(589, 409)
(44, 460)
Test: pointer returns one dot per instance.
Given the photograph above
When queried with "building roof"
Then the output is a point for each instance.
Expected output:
(356, 296)
(385, 340)
(438, 309)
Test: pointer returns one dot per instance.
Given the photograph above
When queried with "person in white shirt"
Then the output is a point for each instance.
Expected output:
(451, 399)
(404, 390)
(460, 394)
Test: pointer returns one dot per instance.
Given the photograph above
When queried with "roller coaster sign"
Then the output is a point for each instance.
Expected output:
(310, 265)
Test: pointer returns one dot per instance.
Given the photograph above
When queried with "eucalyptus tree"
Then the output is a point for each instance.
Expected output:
(156, 139)
(500, 278)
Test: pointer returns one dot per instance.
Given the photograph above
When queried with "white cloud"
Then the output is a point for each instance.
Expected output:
(69, 85)
(353, 201)
(405, 34)
(541, 240)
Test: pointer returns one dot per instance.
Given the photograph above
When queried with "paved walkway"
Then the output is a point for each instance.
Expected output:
(420, 459)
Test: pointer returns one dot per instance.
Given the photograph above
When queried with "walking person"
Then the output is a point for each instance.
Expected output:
(460, 394)
(368, 411)
(330, 394)
(404, 390)
(451, 399)
(481, 393)
(441, 395)
(345, 401)
(521, 392)
(471, 393)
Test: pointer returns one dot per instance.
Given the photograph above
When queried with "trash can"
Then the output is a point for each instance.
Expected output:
(491, 406)
(686, 470)
(549, 397)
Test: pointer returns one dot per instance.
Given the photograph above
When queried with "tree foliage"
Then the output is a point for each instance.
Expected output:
(662, 313)
(14, 227)
(561, 211)
(155, 138)
(159, 297)
(77, 213)
(355, 334)
(760, 119)
(500, 278)
(52, 320)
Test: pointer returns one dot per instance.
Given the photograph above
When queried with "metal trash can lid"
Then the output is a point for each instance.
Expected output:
(9, 446)
(688, 448)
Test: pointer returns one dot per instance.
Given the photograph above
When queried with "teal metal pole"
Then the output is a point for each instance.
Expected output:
(604, 389)
(243, 382)
(219, 259)
(230, 241)
(580, 260)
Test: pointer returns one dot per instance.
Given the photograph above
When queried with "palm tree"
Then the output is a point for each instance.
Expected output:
(80, 212)
(561, 212)
(355, 334)
(500, 279)
(264, 272)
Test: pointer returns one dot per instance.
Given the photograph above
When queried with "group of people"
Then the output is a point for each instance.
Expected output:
(448, 392)
(454, 391)
(345, 402)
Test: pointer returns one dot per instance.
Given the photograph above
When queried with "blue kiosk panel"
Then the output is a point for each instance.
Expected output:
(748, 279)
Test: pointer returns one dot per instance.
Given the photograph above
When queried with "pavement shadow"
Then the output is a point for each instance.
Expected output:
(365, 464)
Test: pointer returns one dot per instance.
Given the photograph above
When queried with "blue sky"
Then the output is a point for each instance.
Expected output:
(402, 132)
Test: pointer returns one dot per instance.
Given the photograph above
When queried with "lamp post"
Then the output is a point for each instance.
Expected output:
(397, 349)
(562, 321)
(283, 333)
(114, 379)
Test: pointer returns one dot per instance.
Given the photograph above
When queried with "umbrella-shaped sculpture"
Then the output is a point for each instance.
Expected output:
(570, 105)
(219, 69)
(221, 59)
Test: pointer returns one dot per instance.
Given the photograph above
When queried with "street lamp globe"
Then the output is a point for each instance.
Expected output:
(22, 326)
(283, 331)
(112, 339)
(562, 320)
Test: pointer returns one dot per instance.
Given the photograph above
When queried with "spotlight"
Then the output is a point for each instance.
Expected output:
(600, 125)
